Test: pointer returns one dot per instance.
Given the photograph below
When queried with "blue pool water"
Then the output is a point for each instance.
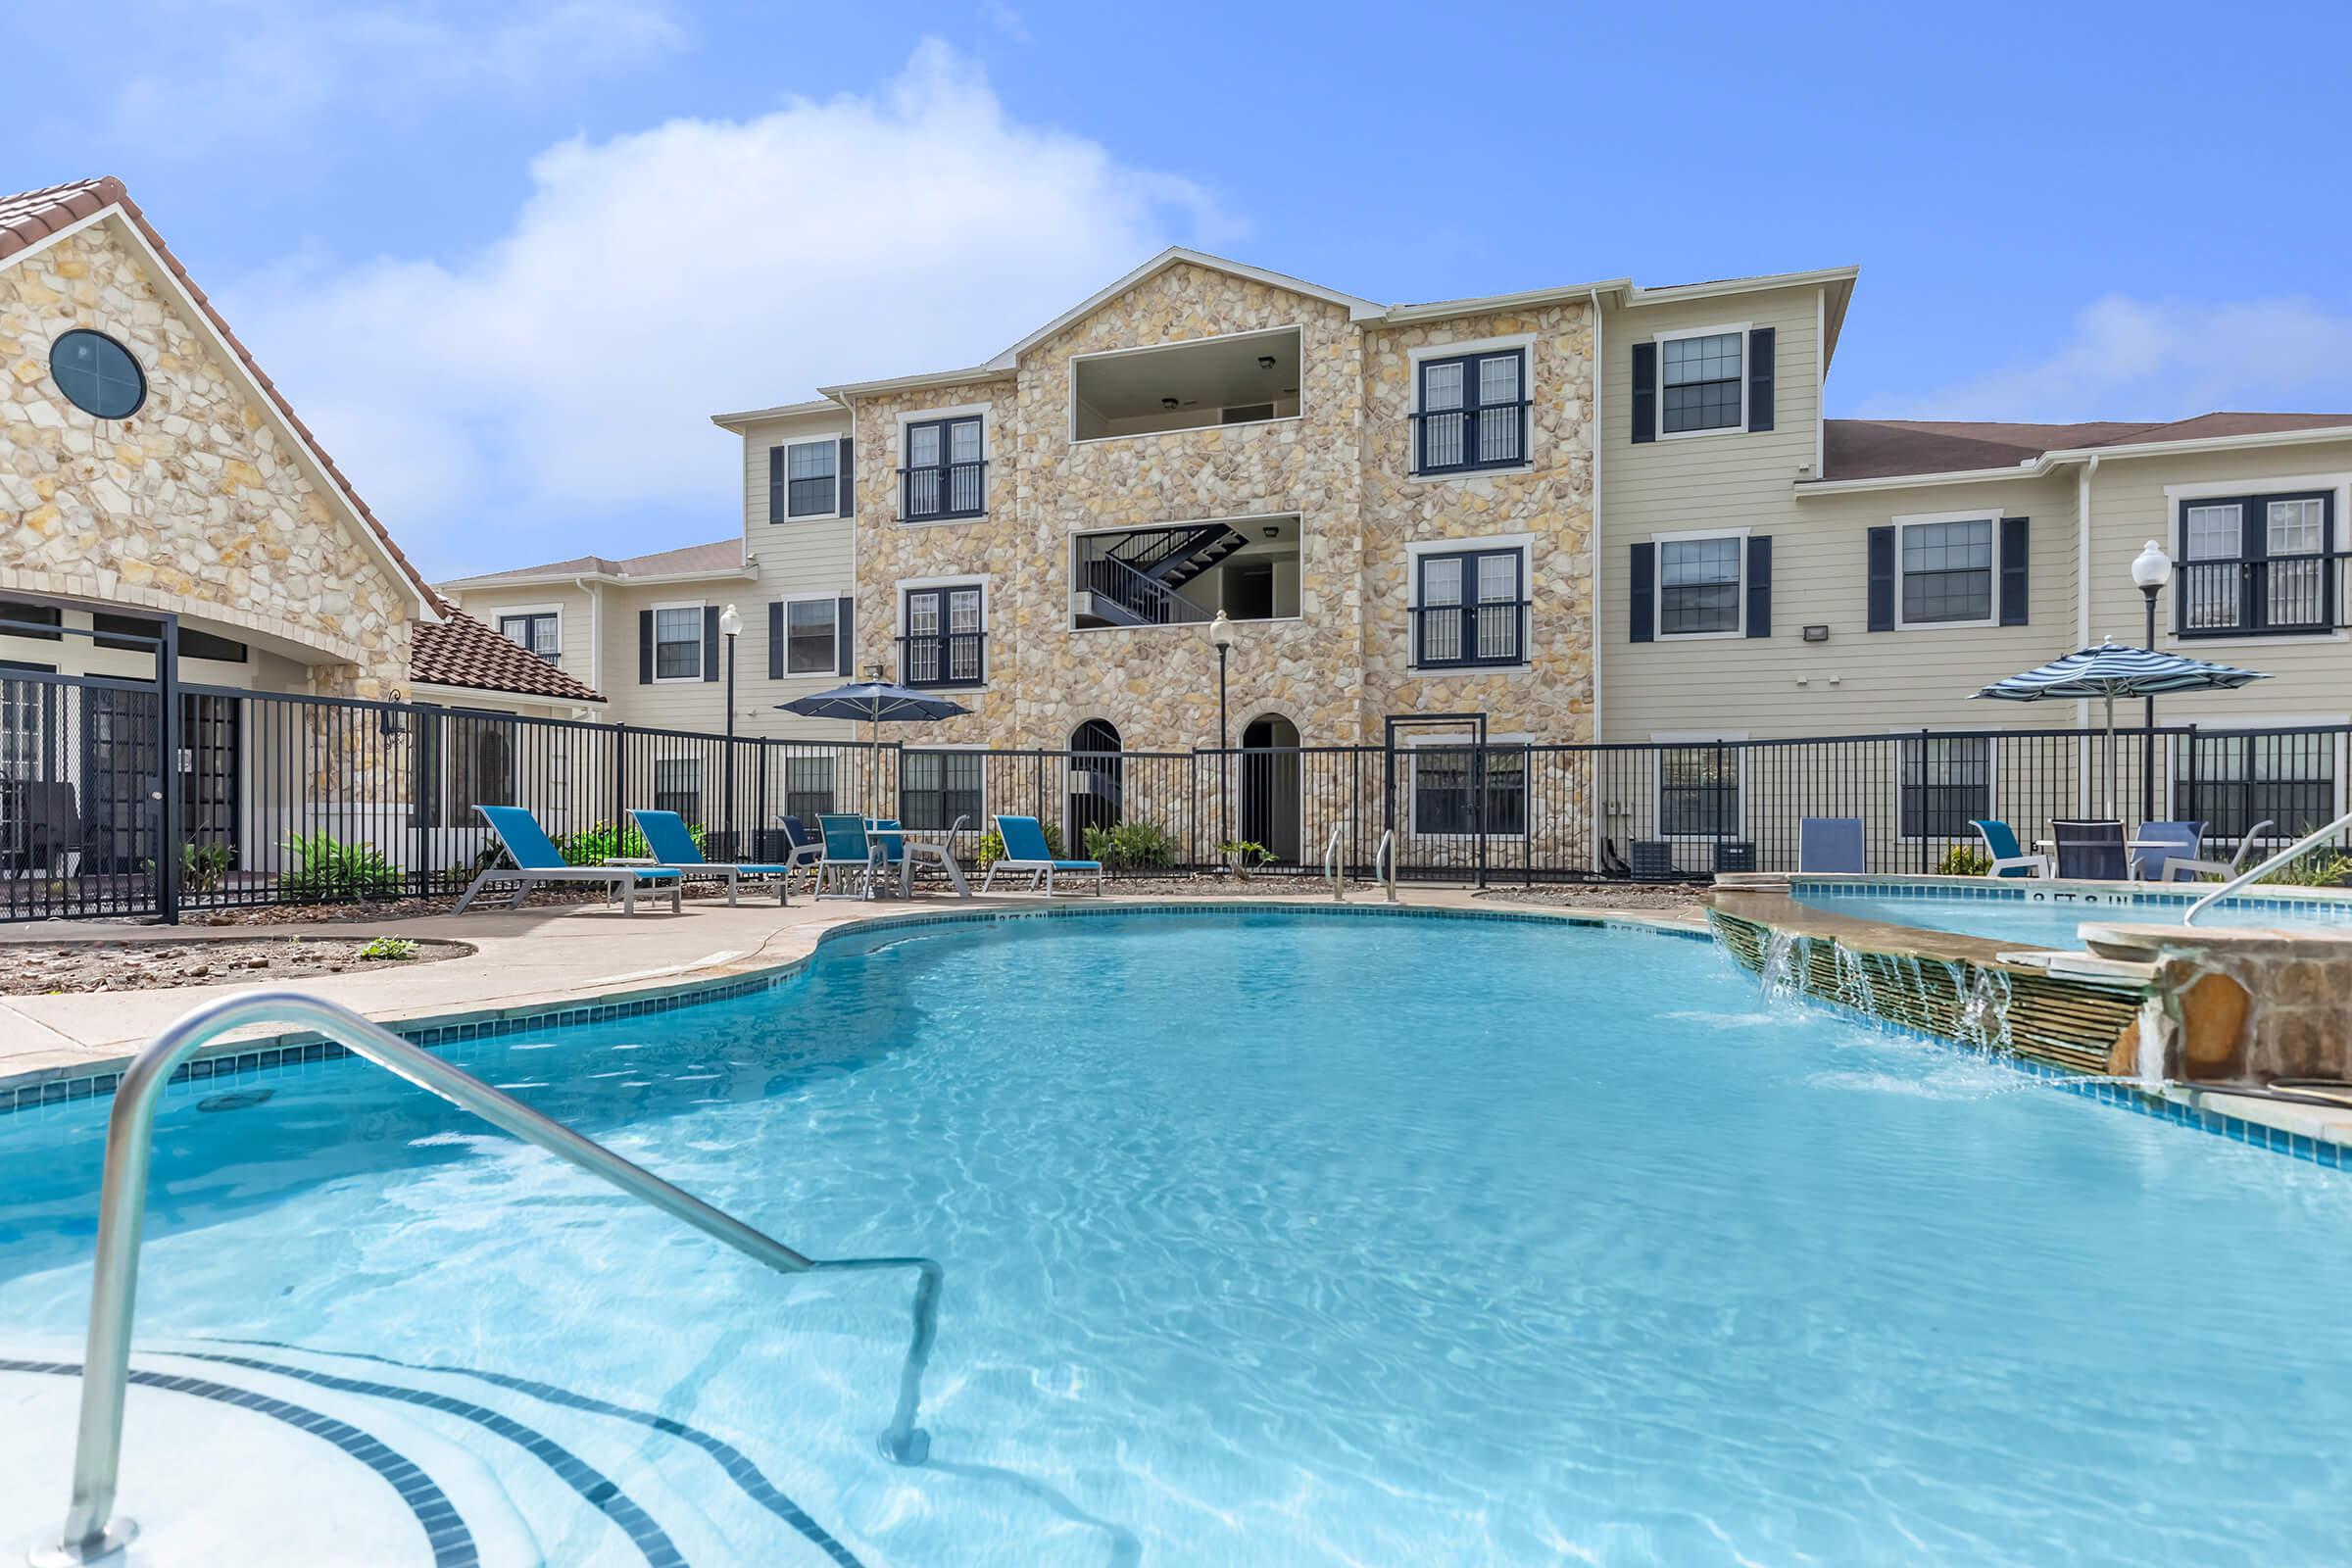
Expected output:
(1278, 1240)
(2054, 919)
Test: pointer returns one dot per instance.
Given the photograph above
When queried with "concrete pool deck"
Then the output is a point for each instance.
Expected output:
(531, 960)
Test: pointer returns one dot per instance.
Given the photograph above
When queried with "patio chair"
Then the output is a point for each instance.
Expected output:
(2001, 848)
(1026, 849)
(2168, 865)
(539, 863)
(2090, 850)
(807, 848)
(1830, 843)
(668, 844)
(849, 857)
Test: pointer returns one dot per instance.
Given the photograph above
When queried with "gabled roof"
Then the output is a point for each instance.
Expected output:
(1882, 449)
(722, 558)
(459, 650)
(30, 219)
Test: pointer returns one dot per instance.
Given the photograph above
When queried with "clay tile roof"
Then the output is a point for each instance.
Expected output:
(30, 216)
(1876, 449)
(463, 652)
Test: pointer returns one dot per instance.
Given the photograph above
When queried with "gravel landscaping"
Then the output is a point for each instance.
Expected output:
(54, 968)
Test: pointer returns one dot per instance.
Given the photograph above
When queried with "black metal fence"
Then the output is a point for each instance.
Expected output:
(294, 798)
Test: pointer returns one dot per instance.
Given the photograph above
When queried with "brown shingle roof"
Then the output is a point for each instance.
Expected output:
(463, 652)
(723, 555)
(1878, 449)
(30, 216)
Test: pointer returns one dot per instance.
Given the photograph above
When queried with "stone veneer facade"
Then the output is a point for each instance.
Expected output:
(196, 504)
(1343, 466)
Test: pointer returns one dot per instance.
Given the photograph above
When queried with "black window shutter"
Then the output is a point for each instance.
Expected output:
(845, 636)
(1881, 579)
(776, 639)
(2016, 551)
(1759, 379)
(1641, 621)
(1759, 585)
(775, 484)
(1645, 392)
(710, 642)
(645, 648)
(846, 469)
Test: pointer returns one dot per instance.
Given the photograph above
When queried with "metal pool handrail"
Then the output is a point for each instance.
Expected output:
(1331, 852)
(91, 1532)
(2267, 867)
(1385, 854)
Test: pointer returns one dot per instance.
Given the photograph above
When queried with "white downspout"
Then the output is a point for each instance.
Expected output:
(596, 629)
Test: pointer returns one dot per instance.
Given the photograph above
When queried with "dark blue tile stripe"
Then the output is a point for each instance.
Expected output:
(739, 1466)
(451, 1541)
(599, 1490)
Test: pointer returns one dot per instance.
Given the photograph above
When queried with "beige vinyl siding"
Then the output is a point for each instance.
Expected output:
(576, 650)
(2312, 676)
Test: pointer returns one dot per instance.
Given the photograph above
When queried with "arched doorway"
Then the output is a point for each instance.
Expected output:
(1095, 782)
(1271, 797)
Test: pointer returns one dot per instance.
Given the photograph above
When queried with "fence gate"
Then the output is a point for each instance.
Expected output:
(1435, 794)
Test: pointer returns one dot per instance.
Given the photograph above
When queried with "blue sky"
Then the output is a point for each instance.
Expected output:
(507, 256)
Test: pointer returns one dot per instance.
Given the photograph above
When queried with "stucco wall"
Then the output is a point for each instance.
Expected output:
(196, 503)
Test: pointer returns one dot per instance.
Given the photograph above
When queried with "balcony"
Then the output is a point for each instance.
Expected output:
(1184, 573)
(1242, 379)
(2248, 596)
(936, 492)
(1488, 635)
(946, 658)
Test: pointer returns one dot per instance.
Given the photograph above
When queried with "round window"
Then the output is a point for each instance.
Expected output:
(98, 374)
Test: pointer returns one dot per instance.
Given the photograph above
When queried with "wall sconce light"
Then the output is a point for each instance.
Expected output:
(1817, 634)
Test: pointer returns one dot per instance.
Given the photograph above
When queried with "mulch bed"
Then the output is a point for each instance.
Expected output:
(376, 912)
(55, 968)
(1655, 897)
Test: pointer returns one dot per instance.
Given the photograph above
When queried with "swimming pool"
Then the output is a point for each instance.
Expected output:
(2051, 915)
(1274, 1237)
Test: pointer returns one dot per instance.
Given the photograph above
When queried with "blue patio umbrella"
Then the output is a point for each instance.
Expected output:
(2111, 670)
(874, 701)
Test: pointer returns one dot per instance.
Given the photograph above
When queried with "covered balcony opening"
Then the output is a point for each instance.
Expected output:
(1242, 379)
(1185, 572)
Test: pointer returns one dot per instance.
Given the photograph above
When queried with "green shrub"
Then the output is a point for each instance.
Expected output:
(202, 866)
(327, 870)
(991, 845)
(389, 948)
(1134, 846)
(2318, 867)
(1964, 860)
(1245, 856)
(594, 846)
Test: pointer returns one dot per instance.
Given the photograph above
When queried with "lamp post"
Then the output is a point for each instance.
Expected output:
(2151, 569)
(730, 626)
(1220, 636)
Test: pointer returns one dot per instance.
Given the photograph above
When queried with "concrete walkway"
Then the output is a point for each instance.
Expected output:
(528, 959)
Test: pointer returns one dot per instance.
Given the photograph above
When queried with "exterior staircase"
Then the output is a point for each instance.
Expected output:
(1136, 579)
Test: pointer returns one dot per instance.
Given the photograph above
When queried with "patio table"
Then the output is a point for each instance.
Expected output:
(930, 851)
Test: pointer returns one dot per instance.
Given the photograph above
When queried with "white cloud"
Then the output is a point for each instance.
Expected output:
(2130, 359)
(546, 395)
(267, 68)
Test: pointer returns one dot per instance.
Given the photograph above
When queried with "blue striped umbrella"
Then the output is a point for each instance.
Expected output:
(2112, 670)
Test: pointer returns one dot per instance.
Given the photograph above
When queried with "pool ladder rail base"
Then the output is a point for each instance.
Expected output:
(92, 1532)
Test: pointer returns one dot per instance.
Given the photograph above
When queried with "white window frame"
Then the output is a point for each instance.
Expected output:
(508, 613)
(1464, 740)
(1295, 328)
(810, 751)
(1992, 781)
(2176, 535)
(1658, 585)
(698, 606)
(1525, 342)
(1657, 783)
(1525, 544)
(986, 412)
(979, 823)
(833, 508)
(831, 671)
(1992, 598)
(1658, 412)
(898, 623)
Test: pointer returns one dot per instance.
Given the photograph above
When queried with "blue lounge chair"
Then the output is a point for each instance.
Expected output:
(1026, 849)
(668, 844)
(849, 857)
(2002, 845)
(808, 846)
(1829, 844)
(539, 863)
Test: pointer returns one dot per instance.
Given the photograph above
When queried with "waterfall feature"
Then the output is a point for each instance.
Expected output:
(1781, 973)
(1854, 988)
(2155, 1030)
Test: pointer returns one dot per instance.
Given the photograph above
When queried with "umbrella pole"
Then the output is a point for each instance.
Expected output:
(2111, 754)
(873, 758)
